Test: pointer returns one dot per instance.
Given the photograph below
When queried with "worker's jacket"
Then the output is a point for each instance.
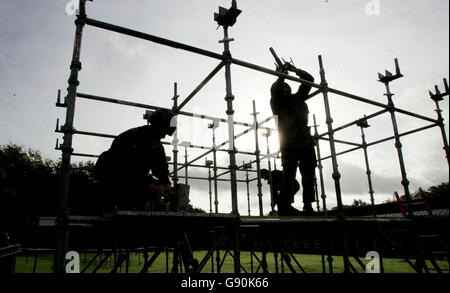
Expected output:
(132, 155)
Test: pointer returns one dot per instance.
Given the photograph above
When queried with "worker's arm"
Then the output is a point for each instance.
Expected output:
(160, 168)
(304, 89)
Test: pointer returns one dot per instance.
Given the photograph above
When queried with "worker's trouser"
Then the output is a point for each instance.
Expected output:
(305, 159)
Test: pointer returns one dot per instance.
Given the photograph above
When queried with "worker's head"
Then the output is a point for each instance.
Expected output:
(286, 89)
(264, 174)
(163, 121)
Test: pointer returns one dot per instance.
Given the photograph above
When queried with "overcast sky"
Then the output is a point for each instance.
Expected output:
(357, 39)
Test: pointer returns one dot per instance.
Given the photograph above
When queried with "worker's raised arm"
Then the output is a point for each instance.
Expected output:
(304, 89)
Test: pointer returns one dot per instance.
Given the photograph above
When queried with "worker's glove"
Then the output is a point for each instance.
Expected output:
(289, 67)
(280, 69)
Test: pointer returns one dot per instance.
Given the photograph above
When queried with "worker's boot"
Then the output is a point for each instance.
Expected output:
(288, 210)
(308, 210)
(293, 211)
(283, 209)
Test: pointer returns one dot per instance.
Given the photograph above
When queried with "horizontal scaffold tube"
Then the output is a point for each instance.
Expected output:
(200, 86)
(218, 179)
(170, 163)
(155, 39)
(383, 140)
(387, 107)
(177, 45)
(356, 121)
(151, 107)
(163, 142)
(343, 142)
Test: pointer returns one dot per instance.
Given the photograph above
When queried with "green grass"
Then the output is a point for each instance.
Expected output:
(310, 263)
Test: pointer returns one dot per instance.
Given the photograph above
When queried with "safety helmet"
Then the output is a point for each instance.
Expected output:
(162, 119)
(264, 173)
(286, 88)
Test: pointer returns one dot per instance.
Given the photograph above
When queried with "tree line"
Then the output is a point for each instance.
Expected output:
(30, 187)
(438, 192)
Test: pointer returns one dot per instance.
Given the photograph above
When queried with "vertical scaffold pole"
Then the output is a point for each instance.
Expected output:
(247, 182)
(363, 124)
(336, 175)
(231, 149)
(275, 161)
(320, 166)
(258, 162)
(209, 187)
(62, 231)
(216, 198)
(186, 164)
(269, 165)
(175, 137)
(437, 98)
(230, 112)
(398, 145)
(213, 126)
(444, 135)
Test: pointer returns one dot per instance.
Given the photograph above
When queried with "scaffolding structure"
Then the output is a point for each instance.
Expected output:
(234, 224)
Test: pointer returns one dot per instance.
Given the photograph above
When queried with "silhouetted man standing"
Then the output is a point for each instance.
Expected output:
(296, 143)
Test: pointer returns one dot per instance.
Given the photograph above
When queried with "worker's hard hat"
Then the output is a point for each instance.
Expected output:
(287, 87)
(164, 119)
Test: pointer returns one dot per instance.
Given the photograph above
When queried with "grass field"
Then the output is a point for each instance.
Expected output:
(310, 264)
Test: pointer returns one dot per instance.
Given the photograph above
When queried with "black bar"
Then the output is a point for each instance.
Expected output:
(201, 85)
(145, 106)
(361, 99)
(240, 265)
(118, 264)
(107, 255)
(363, 266)
(201, 178)
(287, 260)
(92, 134)
(273, 72)
(383, 140)
(177, 45)
(148, 263)
(185, 47)
(239, 167)
(314, 94)
(91, 261)
(211, 252)
(158, 40)
(344, 142)
(402, 134)
(85, 155)
(354, 122)
(297, 263)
